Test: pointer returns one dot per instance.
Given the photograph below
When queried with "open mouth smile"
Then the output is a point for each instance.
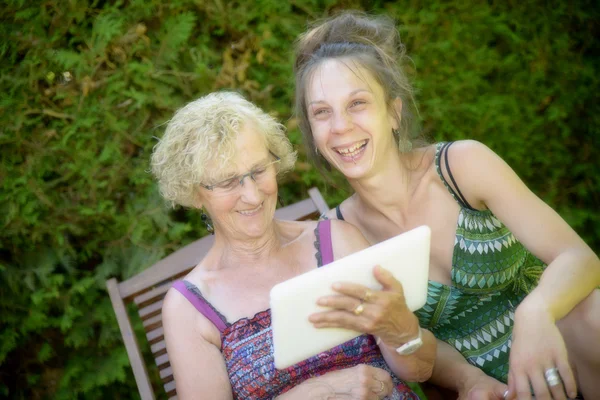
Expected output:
(352, 152)
(252, 212)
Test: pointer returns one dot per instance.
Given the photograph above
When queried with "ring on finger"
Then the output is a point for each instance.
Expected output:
(368, 295)
(359, 309)
(552, 377)
(381, 388)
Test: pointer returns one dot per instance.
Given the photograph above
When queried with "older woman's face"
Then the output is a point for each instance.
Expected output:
(247, 210)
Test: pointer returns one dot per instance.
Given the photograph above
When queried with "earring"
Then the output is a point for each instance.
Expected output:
(405, 145)
(279, 201)
(207, 221)
(316, 150)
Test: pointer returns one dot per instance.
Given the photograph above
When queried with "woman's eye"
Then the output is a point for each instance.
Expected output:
(228, 184)
(319, 112)
(357, 103)
(259, 171)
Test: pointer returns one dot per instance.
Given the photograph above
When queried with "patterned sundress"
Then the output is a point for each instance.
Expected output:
(491, 273)
(247, 346)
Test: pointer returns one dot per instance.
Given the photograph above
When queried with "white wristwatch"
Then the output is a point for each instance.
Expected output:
(411, 346)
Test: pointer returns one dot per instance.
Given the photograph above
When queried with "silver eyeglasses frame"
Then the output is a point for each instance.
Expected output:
(241, 178)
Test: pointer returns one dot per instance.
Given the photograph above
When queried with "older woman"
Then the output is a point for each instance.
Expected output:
(222, 155)
(492, 237)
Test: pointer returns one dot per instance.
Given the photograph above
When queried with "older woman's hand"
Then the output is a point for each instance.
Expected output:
(361, 382)
(382, 313)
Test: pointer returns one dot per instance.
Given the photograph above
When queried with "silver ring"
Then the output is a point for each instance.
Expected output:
(505, 394)
(552, 377)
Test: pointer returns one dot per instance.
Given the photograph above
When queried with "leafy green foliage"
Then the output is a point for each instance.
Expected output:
(87, 84)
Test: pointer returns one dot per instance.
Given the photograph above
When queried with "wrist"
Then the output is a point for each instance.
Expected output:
(469, 375)
(412, 332)
(534, 306)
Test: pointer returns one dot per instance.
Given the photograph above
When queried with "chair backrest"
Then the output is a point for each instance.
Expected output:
(148, 288)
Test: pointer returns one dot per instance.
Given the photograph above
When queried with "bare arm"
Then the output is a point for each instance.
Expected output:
(193, 344)
(452, 371)
(416, 367)
(573, 269)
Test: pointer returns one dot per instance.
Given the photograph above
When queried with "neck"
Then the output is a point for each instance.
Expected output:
(388, 189)
(240, 252)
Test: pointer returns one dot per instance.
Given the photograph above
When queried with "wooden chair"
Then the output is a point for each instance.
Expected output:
(148, 288)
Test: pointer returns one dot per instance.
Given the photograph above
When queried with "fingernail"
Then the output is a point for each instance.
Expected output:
(336, 286)
(322, 302)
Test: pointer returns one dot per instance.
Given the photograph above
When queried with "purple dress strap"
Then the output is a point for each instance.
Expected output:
(325, 241)
(201, 305)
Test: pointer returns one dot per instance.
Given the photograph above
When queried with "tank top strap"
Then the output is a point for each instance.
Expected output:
(325, 244)
(194, 296)
(338, 213)
(441, 152)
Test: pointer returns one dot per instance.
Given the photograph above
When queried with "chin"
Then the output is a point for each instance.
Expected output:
(355, 171)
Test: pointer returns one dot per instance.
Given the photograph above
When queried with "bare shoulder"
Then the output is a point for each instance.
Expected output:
(471, 155)
(345, 208)
(181, 319)
(482, 175)
(294, 230)
(176, 307)
(346, 239)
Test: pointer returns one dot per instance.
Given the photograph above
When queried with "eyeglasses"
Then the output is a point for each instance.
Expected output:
(231, 185)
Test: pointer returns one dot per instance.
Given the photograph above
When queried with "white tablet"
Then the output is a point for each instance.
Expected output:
(295, 339)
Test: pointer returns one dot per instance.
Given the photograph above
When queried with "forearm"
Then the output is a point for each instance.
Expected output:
(569, 279)
(451, 370)
(416, 367)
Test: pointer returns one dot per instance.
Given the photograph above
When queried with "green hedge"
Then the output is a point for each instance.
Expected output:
(87, 84)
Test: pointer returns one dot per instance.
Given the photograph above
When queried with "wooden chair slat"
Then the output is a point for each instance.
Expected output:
(152, 322)
(156, 347)
(155, 334)
(169, 387)
(166, 372)
(162, 360)
(156, 293)
(150, 310)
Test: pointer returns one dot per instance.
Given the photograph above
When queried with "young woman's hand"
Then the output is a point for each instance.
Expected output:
(538, 347)
(482, 387)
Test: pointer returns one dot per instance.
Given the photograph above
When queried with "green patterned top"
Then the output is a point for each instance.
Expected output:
(491, 273)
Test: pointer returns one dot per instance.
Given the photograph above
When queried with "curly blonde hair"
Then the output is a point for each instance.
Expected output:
(199, 143)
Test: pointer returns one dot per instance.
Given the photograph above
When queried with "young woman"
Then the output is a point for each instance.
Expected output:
(492, 238)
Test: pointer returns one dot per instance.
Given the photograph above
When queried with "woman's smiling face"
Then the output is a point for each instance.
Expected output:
(349, 118)
(247, 210)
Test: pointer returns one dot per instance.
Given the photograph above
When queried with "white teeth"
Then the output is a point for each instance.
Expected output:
(352, 150)
(250, 212)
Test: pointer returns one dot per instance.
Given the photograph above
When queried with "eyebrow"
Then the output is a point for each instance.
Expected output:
(352, 93)
(233, 175)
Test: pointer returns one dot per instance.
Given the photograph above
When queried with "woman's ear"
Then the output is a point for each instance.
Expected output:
(198, 201)
(396, 113)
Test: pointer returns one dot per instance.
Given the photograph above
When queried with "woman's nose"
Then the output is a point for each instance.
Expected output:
(341, 122)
